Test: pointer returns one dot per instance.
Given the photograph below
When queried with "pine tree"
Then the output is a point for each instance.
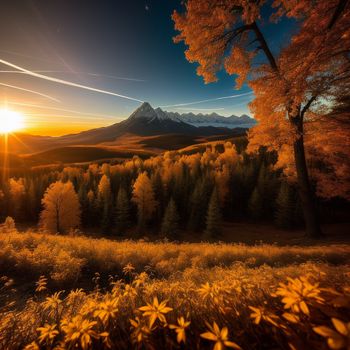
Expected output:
(170, 224)
(255, 205)
(122, 211)
(285, 208)
(84, 204)
(105, 203)
(199, 200)
(213, 220)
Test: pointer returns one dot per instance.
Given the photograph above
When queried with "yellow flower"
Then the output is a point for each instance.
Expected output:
(41, 284)
(259, 314)
(106, 340)
(74, 295)
(106, 310)
(32, 346)
(47, 333)
(79, 330)
(128, 269)
(141, 279)
(129, 291)
(52, 302)
(140, 331)
(220, 337)
(180, 329)
(208, 292)
(338, 338)
(155, 311)
(297, 293)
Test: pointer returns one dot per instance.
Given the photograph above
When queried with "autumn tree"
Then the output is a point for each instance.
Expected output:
(61, 208)
(294, 88)
(9, 225)
(143, 196)
(17, 195)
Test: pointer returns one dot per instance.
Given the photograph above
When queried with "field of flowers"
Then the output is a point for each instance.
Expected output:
(81, 293)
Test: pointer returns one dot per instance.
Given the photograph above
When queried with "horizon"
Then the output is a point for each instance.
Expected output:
(25, 130)
(80, 73)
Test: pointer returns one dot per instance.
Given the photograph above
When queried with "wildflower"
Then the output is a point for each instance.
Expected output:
(155, 311)
(106, 339)
(52, 302)
(129, 291)
(41, 285)
(338, 338)
(180, 329)
(297, 293)
(209, 292)
(73, 295)
(259, 314)
(141, 279)
(106, 310)
(47, 333)
(128, 269)
(140, 331)
(32, 346)
(220, 337)
(79, 330)
(293, 318)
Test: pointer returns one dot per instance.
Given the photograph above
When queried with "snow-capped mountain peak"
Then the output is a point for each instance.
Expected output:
(144, 111)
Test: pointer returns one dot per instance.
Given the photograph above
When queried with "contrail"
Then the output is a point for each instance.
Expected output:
(31, 91)
(65, 82)
(208, 100)
(74, 72)
(60, 109)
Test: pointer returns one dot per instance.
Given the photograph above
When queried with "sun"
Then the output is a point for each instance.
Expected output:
(10, 121)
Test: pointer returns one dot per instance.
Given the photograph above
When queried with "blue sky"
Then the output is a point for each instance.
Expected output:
(123, 47)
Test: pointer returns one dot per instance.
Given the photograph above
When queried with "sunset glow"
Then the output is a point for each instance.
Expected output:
(10, 121)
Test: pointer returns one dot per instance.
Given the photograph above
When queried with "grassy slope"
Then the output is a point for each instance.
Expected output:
(238, 277)
(74, 259)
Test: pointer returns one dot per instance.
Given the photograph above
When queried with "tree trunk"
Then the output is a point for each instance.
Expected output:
(305, 190)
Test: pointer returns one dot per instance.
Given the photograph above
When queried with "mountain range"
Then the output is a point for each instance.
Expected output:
(146, 128)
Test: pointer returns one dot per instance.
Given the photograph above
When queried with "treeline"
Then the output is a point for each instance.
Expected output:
(164, 194)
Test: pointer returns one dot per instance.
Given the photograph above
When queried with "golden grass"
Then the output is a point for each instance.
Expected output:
(231, 294)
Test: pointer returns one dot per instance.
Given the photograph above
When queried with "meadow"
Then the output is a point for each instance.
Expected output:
(61, 292)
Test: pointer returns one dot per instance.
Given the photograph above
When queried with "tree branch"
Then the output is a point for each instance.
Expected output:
(338, 12)
(264, 46)
(307, 106)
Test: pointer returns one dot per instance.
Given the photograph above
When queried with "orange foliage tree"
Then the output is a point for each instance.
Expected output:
(295, 89)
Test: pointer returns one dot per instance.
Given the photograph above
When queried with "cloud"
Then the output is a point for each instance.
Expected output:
(65, 82)
(208, 100)
(31, 91)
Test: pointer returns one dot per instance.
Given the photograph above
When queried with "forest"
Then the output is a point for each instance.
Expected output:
(180, 190)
